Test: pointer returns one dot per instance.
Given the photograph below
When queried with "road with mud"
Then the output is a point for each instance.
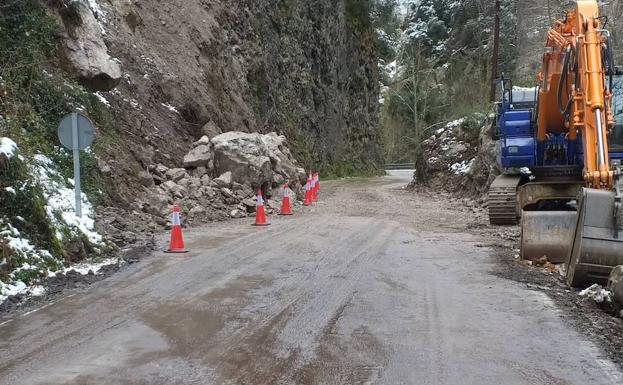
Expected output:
(373, 285)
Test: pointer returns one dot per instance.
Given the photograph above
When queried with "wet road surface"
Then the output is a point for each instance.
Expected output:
(373, 285)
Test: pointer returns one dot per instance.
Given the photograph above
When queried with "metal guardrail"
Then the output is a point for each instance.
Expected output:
(400, 166)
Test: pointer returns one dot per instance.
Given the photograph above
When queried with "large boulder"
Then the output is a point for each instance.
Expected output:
(244, 155)
(85, 52)
(254, 159)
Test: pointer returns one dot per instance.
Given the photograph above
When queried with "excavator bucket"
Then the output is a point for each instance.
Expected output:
(598, 242)
(547, 234)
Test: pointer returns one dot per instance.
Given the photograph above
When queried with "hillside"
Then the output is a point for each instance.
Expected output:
(155, 78)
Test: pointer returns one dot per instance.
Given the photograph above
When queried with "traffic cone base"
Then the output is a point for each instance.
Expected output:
(184, 251)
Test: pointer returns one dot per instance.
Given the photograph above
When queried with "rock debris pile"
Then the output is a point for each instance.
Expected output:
(219, 178)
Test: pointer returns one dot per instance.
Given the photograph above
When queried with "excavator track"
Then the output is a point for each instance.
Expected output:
(503, 200)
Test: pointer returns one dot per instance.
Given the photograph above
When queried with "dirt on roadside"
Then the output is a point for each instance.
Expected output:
(597, 322)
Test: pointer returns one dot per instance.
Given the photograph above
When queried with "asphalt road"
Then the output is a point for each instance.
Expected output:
(373, 285)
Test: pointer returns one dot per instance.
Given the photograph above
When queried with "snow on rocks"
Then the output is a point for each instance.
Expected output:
(449, 151)
(597, 293)
(462, 167)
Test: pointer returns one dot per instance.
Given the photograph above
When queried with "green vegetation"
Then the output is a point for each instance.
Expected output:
(358, 15)
(35, 94)
(436, 68)
(346, 169)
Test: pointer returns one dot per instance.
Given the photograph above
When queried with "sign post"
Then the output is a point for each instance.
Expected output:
(76, 132)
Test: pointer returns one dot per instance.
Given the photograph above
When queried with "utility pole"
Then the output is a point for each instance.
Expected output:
(496, 49)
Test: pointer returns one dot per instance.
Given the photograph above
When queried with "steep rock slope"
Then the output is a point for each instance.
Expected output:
(305, 69)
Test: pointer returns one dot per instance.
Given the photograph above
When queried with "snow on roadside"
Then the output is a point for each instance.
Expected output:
(85, 268)
(60, 200)
(7, 147)
(27, 260)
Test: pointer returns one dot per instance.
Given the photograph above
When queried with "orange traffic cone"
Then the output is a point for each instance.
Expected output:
(285, 204)
(308, 193)
(177, 240)
(315, 187)
(260, 213)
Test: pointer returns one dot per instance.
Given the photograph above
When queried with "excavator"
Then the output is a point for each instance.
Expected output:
(560, 145)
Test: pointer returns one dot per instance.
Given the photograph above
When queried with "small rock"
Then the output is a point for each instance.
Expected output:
(205, 140)
(169, 185)
(174, 188)
(200, 171)
(197, 210)
(103, 166)
(235, 213)
(224, 180)
(249, 203)
(176, 174)
(227, 192)
(211, 130)
(278, 179)
(160, 170)
(205, 180)
(194, 183)
(198, 157)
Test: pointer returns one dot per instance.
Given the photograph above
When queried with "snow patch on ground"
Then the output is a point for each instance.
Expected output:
(60, 201)
(85, 268)
(7, 147)
(59, 206)
(7, 290)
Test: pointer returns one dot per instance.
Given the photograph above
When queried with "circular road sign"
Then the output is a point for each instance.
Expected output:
(85, 131)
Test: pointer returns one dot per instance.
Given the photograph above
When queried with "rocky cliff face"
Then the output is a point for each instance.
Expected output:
(190, 68)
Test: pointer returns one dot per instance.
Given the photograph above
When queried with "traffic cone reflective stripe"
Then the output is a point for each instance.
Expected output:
(260, 213)
(176, 245)
(285, 204)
